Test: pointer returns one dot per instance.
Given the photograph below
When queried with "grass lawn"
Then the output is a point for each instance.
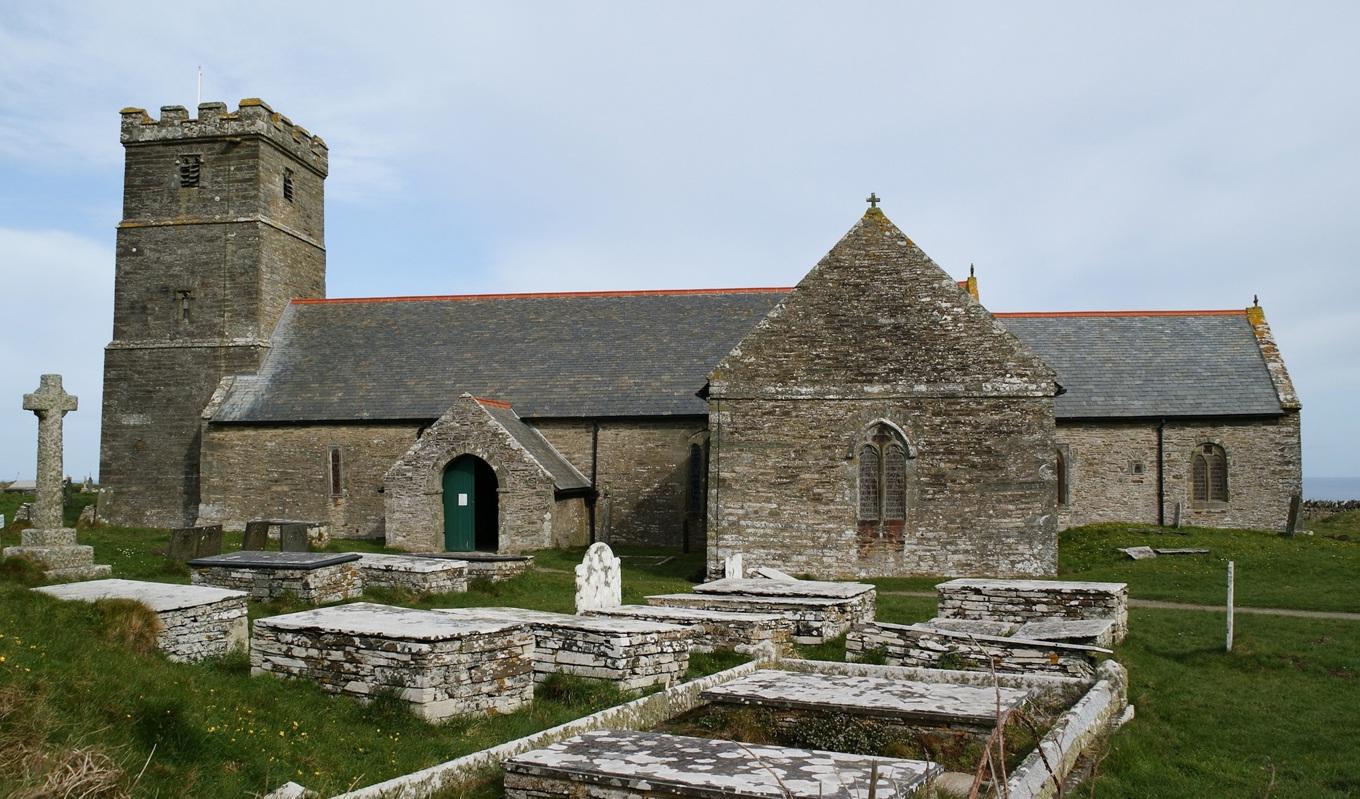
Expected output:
(1272, 718)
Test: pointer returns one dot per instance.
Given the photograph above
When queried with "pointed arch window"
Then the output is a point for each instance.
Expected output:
(1209, 475)
(884, 480)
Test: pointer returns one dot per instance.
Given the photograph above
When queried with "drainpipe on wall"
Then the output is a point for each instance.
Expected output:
(1161, 473)
(590, 499)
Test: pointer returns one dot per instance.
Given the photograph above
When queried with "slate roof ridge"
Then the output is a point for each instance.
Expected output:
(532, 443)
(545, 295)
(1116, 314)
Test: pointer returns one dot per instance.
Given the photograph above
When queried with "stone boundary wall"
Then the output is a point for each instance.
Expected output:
(640, 714)
(1035, 600)
(314, 586)
(920, 645)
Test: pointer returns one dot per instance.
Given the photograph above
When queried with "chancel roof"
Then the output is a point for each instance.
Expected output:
(620, 354)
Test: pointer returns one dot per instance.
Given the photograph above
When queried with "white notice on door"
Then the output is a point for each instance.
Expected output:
(462, 499)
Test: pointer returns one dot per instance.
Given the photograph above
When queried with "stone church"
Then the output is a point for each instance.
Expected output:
(875, 419)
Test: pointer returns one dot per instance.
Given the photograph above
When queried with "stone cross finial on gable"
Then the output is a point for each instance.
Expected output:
(872, 200)
(50, 402)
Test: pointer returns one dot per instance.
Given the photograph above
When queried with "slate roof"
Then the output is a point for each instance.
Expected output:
(646, 354)
(565, 476)
(1124, 364)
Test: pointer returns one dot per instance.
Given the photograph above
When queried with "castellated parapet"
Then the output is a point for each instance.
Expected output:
(253, 117)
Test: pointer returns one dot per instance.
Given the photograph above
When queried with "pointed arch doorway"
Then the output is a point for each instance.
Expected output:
(471, 506)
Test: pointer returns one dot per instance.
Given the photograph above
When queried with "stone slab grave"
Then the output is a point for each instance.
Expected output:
(443, 665)
(905, 701)
(187, 543)
(820, 610)
(716, 629)
(1024, 601)
(422, 576)
(47, 542)
(613, 764)
(492, 566)
(313, 577)
(930, 646)
(633, 653)
(197, 622)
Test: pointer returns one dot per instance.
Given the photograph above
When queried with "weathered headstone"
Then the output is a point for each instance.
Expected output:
(210, 542)
(599, 579)
(183, 544)
(256, 538)
(87, 487)
(1176, 519)
(2, 521)
(24, 513)
(48, 542)
(1291, 525)
(87, 517)
(733, 568)
(293, 538)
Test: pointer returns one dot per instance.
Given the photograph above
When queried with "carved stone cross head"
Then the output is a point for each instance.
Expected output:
(49, 398)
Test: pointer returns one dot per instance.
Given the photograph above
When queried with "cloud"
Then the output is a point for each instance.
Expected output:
(58, 311)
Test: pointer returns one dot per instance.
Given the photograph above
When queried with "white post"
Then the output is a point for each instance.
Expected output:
(1230, 605)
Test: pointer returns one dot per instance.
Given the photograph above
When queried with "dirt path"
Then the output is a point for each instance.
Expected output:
(1160, 605)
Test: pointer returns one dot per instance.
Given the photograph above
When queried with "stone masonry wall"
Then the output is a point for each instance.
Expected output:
(642, 475)
(232, 249)
(283, 472)
(1264, 471)
(785, 477)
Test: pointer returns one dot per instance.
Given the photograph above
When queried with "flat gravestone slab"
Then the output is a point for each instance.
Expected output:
(160, 597)
(567, 621)
(795, 588)
(1180, 551)
(902, 700)
(686, 615)
(410, 563)
(974, 626)
(739, 601)
(387, 621)
(475, 557)
(300, 561)
(1067, 630)
(676, 765)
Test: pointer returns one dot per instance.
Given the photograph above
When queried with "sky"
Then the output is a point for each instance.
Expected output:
(1084, 156)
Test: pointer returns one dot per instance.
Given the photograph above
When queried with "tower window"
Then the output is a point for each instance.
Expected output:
(190, 164)
(337, 476)
(288, 185)
(185, 298)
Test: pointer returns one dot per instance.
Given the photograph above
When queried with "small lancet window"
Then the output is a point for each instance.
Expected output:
(186, 298)
(288, 185)
(190, 165)
(1209, 475)
(337, 476)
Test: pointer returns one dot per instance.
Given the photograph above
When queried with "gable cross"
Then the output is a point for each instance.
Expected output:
(872, 200)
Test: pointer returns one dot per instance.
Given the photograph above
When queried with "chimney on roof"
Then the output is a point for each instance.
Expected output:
(971, 284)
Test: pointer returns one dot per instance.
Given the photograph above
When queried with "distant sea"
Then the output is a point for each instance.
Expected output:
(1337, 488)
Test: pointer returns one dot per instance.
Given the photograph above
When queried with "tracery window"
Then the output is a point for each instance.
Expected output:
(884, 477)
(1208, 475)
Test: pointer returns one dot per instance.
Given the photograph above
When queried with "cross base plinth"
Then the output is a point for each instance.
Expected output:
(59, 555)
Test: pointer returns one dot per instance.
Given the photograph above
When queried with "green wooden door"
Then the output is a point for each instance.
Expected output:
(460, 506)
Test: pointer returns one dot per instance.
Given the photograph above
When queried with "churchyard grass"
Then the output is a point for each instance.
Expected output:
(1268, 719)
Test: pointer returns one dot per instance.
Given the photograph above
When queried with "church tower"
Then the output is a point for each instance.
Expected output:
(222, 226)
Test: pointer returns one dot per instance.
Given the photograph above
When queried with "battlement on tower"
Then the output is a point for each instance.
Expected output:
(253, 117)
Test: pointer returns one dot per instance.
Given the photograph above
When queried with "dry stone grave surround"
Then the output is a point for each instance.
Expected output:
(313, 577)
(1035, 600)
(421, 576)
(197, 622)
(929, 645)
(716, 629)
(493, 566)
(444, 665)
(820, 610)
(633, 653)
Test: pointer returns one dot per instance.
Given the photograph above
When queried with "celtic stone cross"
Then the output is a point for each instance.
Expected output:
(50, 402)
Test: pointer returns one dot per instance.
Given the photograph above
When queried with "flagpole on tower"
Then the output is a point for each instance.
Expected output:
(200, 86)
